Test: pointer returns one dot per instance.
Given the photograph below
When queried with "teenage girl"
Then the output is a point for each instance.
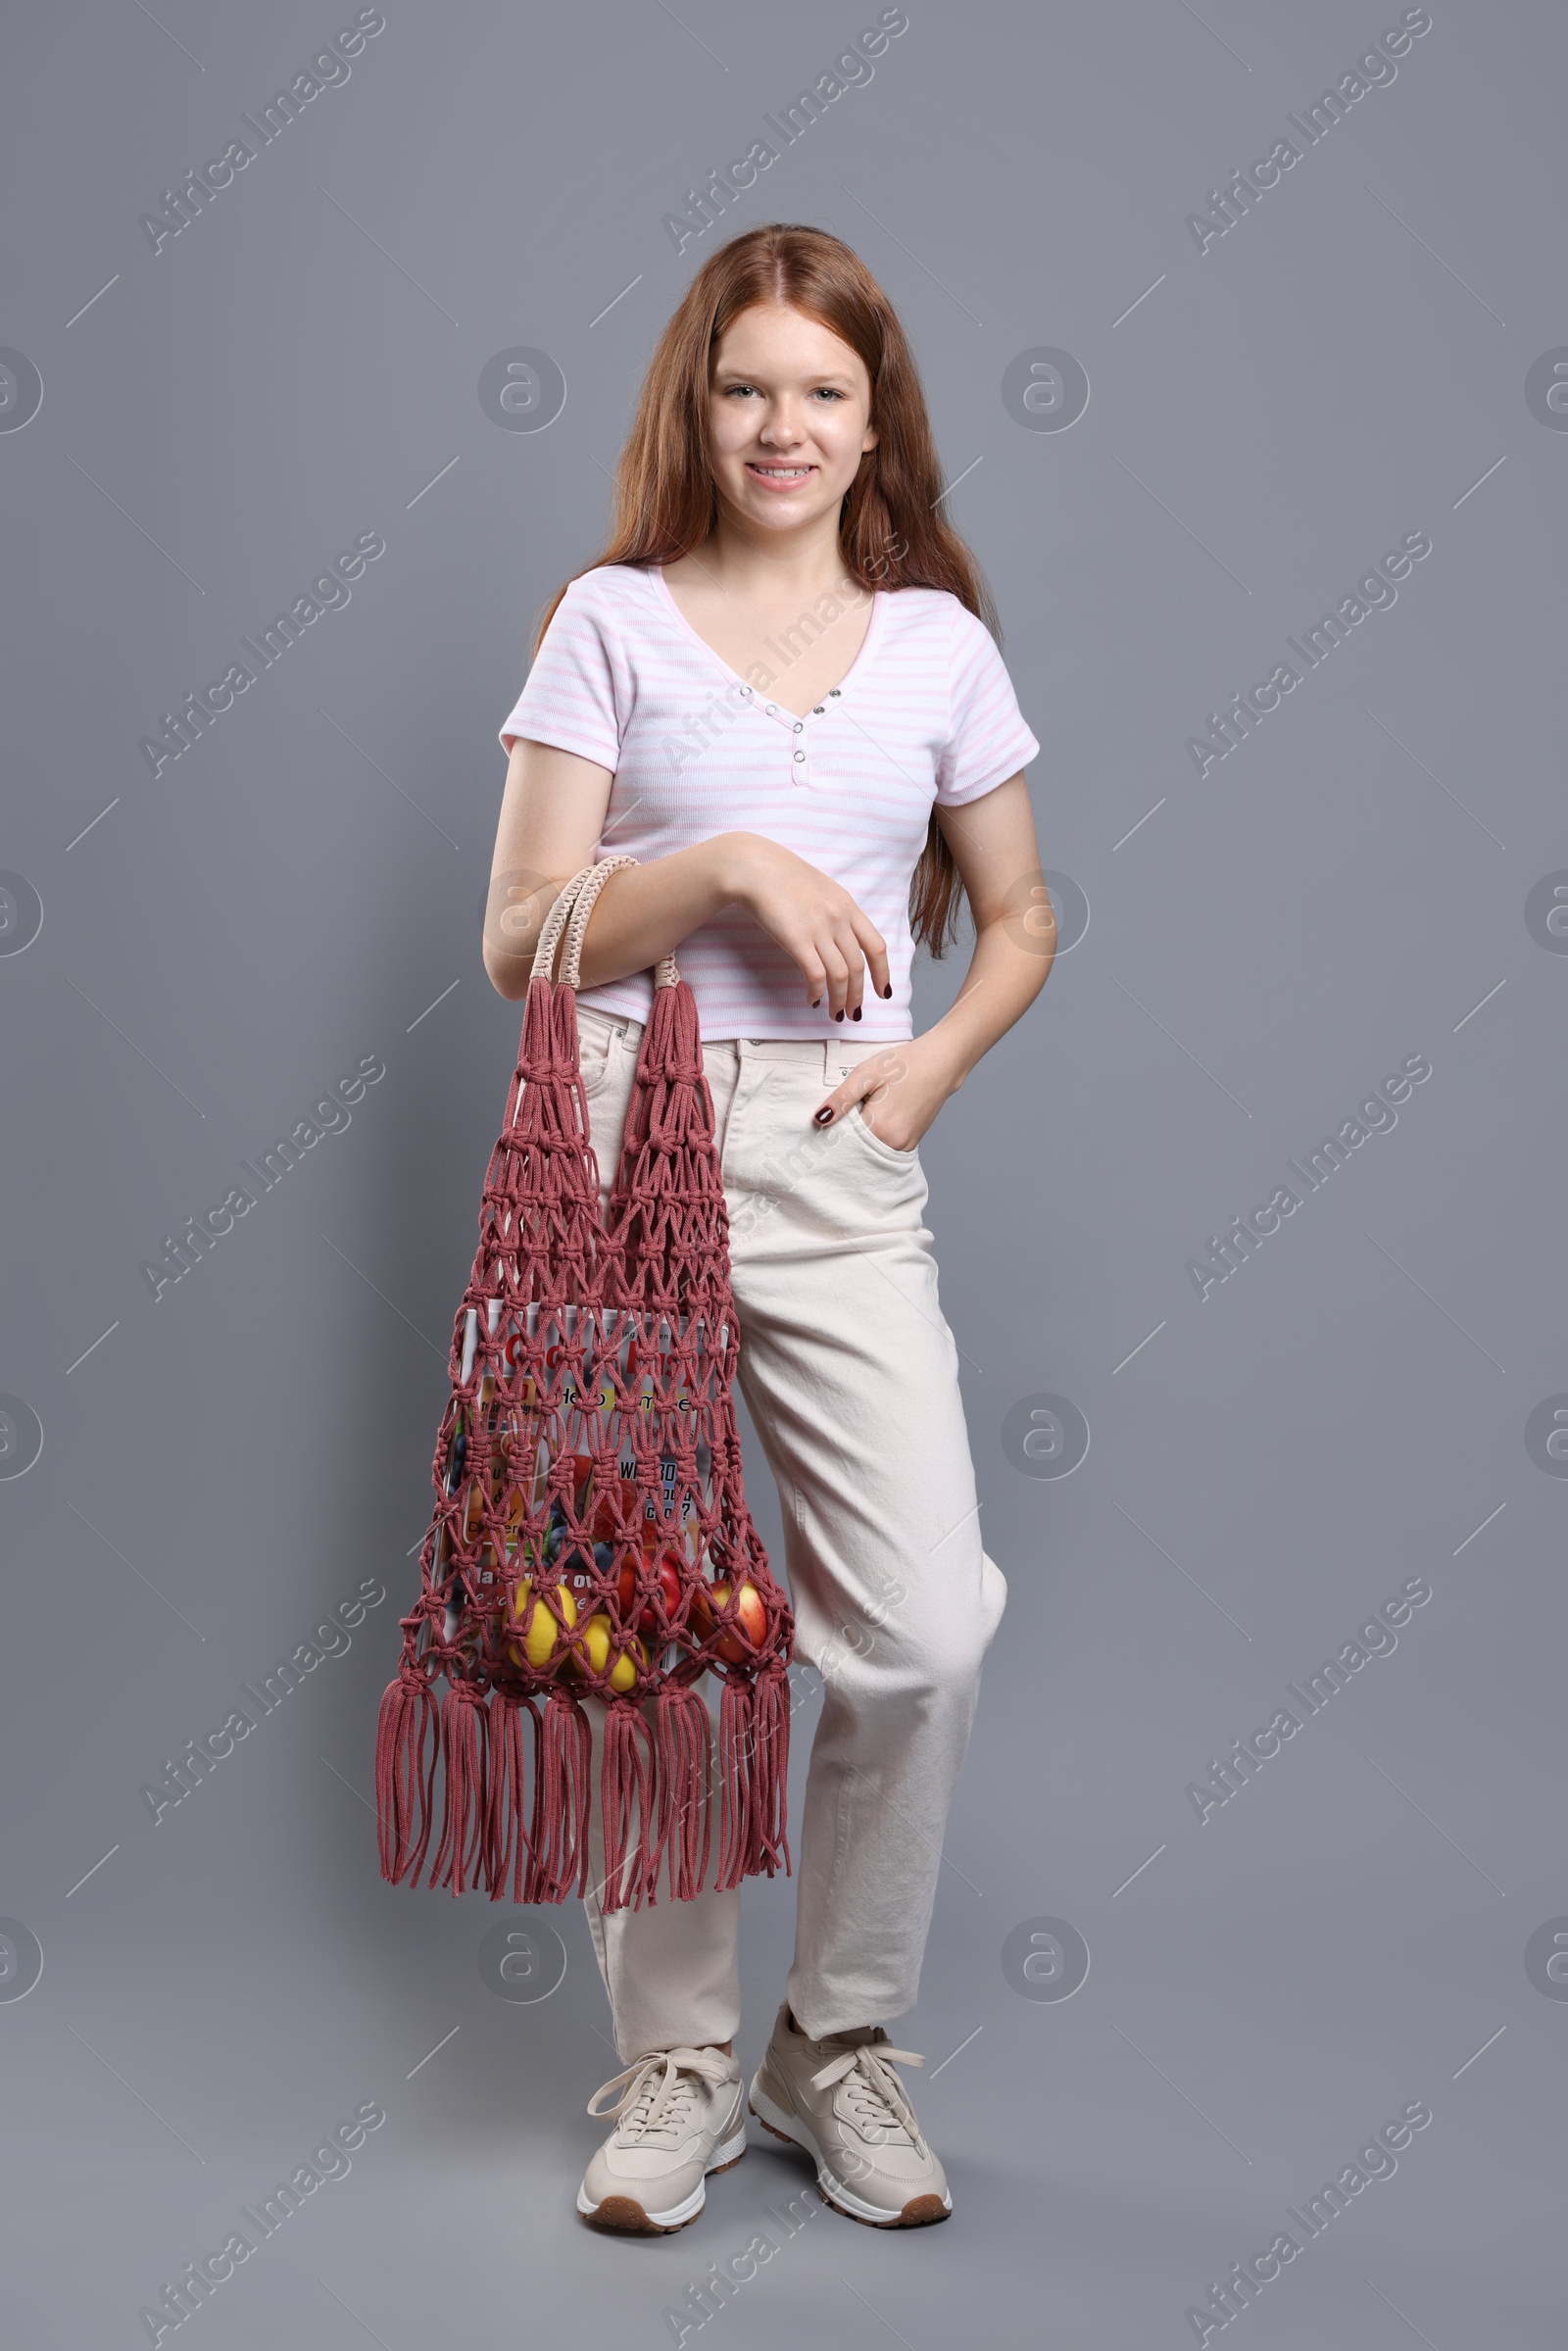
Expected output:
(777, 690)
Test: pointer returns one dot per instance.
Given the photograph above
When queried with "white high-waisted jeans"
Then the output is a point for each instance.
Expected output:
(851, 1377)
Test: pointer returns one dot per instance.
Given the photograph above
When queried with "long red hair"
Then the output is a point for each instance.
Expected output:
(891, 531)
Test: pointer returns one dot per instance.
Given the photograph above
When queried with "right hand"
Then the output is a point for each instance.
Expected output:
(813, 919)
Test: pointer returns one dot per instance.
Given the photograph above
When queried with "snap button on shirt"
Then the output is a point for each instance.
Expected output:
(801, 762)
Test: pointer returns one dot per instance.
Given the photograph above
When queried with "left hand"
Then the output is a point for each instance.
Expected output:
(900, 1091)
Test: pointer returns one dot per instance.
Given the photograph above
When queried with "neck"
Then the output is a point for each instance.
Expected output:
(784, 566)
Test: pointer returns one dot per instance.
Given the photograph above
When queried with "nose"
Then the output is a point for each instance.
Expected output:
(784, 428)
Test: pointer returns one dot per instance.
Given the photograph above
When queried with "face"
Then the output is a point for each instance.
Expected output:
(789, 417)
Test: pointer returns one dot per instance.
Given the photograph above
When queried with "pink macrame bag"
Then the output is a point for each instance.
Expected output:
(590, 1536)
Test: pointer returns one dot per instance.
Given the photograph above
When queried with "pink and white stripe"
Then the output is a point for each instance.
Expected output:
(927, 713)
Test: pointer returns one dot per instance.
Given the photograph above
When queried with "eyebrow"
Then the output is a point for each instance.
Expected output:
(748, 375)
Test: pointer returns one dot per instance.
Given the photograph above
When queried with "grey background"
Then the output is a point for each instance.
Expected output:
(1346, 1412)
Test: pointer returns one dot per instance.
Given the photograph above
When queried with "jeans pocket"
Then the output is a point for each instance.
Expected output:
(861, 1125)
(599, 1041)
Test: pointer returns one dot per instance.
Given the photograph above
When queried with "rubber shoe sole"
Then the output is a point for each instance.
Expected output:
(919, 2213)
(626, 2214)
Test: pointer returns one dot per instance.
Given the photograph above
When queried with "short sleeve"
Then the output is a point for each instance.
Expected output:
(987, 739)
(576, 687)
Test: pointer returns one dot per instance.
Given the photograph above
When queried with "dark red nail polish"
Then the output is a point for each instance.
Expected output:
(816, 1001)
(888, 990)
(856, 1014)
(838, 1016)
(823, 1115)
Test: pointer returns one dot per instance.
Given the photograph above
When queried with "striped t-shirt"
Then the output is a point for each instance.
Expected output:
(927, 713)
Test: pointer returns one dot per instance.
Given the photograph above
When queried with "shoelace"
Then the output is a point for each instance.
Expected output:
(872, 2090)
(655, 2101)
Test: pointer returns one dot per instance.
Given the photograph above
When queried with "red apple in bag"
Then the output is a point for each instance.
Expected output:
(743, 1636)
(667, 1576)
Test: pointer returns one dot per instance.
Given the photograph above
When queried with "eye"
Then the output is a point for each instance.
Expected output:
(828, 392)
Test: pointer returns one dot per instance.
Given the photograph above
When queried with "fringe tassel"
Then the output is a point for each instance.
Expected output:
(507, 1831)
(655, 1790)
(558, 1840)
(767, 1845)
(464, 1851)
(683, 1745)
(735, 1807)
(404, 1777)
(626, 1786)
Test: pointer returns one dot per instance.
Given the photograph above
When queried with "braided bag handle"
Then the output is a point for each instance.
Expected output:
(568, 916)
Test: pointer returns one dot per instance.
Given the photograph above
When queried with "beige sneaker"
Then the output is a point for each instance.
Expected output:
(680, 2116)
(841, 2100)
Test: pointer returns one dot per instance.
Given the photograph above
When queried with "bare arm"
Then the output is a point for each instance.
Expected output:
(551, 822)
(997, 856)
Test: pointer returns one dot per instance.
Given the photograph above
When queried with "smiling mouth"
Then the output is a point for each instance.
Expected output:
(785, 476)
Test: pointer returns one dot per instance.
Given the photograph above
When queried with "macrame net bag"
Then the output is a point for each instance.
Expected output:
(590, 1542)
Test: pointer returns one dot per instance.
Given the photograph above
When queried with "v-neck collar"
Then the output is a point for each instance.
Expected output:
(755, 693)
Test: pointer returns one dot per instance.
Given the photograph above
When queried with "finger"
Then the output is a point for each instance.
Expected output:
(810, 955)
(868, 1080)
(876, 954)
(838, 976)
(843, 1099)
(855, 973)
